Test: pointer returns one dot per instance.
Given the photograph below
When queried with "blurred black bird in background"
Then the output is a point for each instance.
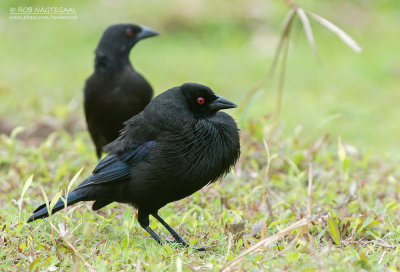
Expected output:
(115, 91)
(178, 144)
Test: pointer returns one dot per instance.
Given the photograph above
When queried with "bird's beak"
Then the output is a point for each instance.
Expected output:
(146, 32)
(221, 103)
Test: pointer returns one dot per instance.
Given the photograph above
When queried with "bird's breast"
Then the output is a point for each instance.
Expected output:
(205, 151)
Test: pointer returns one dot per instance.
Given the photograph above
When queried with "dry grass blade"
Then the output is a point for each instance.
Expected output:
(281, 79)
(285, 35)
(88, 266)
(271, 214)
(339, 32)
(269, 159)
(308, 30)
(302, 225)
(286, 29)
(290, 246)
(263, 243)
(380, 260)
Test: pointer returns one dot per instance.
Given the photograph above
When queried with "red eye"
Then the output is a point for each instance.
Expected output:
(200, 100)
(129, 32)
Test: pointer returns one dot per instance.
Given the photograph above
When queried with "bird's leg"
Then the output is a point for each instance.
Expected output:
(144, 223)
(176, 236)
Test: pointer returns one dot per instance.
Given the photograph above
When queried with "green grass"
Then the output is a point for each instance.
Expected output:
(229, 46)
(358, 192)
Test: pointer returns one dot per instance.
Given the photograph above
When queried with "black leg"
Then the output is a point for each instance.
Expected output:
(144, 223)
(176, 236)
(153, 234)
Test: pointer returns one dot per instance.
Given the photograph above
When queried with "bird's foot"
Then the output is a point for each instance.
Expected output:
(200, 249)
(184, 245)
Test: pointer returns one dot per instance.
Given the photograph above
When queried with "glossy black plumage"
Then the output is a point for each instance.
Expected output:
(115, 91)
(178, 144)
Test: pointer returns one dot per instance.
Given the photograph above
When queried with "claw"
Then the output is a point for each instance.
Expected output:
(184, 245)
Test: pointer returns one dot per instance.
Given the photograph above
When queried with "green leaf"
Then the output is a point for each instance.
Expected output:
(46, 200)
(15, 132)
(334, 231)
(28, 183)
(333, 215)
(292, 257)
(32, 266)
(54, 200)
(73, 180)
(367, 224)
(45, 262)
(391, 206)
(320, 235)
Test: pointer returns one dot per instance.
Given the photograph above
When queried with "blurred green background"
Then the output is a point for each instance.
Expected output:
(228, 45)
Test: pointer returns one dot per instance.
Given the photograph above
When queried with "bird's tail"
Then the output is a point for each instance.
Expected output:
(42, 212)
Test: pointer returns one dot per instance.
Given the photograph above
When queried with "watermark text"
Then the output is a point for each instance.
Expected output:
(43, 13)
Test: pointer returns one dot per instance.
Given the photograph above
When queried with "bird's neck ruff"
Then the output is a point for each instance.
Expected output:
(209, 150)
(108, 64)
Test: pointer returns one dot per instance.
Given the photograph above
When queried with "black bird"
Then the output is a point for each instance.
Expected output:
(178, 144)
(115, 91)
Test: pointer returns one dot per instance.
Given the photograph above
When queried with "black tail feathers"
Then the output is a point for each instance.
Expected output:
(42, 212)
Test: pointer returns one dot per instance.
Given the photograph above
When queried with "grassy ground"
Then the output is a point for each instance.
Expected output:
(354, 198)
(353, 224)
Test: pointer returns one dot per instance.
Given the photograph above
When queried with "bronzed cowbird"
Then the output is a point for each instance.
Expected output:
(178, 144)
(115, 91)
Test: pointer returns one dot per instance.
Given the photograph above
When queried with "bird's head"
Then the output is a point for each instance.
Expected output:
(120, 38)
(202, 101)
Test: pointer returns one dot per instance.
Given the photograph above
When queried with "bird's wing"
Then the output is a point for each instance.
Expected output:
(117, 167)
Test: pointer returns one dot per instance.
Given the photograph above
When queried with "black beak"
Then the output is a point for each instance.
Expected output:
(221, 103)
(146, 32)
